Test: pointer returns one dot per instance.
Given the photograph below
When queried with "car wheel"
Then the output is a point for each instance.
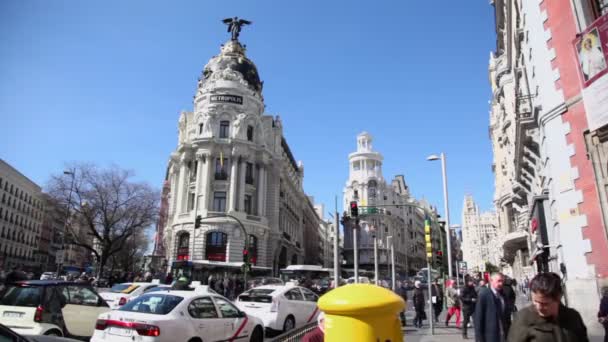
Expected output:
(53, 333)
(195, 339)
(289, 324)
(258, 335)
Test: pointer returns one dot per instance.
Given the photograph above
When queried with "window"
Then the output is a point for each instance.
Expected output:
(294, 294)
(22, 296)
(248, 204)
(202, 308)
(249, 173)
(220, 168)
(183, 244)
(224, 129)
(215, 246)
(82, 296)
(156, 304)
(228, 310)
(356, 166)
(250, 133)
(219, 201)
(190, 201)
(309, 295)
(200, 128)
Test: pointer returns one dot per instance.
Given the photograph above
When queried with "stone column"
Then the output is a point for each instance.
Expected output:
(261, 190)
(199, 180)
(232, 196)
(181, 186)
(242, 185)
(208, 191)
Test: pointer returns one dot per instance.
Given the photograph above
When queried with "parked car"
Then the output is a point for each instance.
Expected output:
(178, 316)
(120, 294)
(281, 307)
(48, 276)
(51, 307)
(259, 281)
(8, 335)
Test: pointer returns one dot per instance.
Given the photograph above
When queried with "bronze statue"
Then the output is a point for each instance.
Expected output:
(234, 26)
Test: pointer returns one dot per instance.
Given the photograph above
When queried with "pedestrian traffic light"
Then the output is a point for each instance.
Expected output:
(354, 209)
(427, 238)
(245, 256)
(197, 221)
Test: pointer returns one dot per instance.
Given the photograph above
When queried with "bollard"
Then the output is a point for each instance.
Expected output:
(362, 312)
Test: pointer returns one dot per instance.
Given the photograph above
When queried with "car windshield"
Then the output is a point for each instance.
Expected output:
(157, 304)
(124, 288)
(21, 296)
(257, 295)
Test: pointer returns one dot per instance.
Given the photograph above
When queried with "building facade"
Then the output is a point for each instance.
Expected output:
(21, 213)
(388, 215)
(480, 241)
(547, 124)
(232, 159)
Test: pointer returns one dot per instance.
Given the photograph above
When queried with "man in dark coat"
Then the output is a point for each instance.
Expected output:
(419, 302)
(437, 292)
(602, 314)
(468, 297)
(547, 320)
(402, 292)
(509, 295)
(490, 312)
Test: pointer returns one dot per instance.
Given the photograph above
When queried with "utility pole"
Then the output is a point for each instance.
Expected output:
(336, 246)
(376, 258)
(393, 264)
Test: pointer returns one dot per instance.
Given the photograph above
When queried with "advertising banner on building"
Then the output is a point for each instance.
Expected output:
(592, 52)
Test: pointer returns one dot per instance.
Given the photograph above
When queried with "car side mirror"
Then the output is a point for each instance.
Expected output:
(101, 302)
(242, 314)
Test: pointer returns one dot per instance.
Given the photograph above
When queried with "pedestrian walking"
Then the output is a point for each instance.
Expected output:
(510, 297)
(547, 320)
(468, 298)
(453, 303)
(402, 292)
(602, 315)
(437, 299)
(419, 303)
(490, 312)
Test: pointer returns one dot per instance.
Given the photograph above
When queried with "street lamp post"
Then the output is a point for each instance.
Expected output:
(390, 238)
(72, 174)
(447, 209)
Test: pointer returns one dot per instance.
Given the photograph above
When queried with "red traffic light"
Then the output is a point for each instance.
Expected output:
(245, 252)
(439, 253)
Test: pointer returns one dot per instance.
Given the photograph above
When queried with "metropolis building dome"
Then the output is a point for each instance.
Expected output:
(233, 168)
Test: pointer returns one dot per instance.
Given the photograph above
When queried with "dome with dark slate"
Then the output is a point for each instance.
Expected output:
(233, 58)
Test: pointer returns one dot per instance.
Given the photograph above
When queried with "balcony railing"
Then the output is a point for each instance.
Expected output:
(221, 176)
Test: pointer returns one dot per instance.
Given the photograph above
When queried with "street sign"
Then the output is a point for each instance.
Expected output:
(59, 257)
(462, 267)
(482, 267)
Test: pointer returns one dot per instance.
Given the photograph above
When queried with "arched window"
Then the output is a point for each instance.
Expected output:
(183, 244)
(215, 246)
(253, 249)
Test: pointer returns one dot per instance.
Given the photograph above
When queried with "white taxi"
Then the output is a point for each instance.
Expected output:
(178, 316)
(281, 307)
(120, 294)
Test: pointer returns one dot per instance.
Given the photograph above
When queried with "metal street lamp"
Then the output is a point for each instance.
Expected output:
(441, 157)
(72, 174)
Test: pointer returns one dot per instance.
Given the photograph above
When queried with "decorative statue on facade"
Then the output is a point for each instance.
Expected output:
(234, 26)
(239, 124)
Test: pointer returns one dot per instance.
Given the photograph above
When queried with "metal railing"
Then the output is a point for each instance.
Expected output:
(295, 335)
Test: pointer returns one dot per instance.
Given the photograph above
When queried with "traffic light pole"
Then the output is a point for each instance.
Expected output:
(246, 270)
(431, 313)
(356, 251)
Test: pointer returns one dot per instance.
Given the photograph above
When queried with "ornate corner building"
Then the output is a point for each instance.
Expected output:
(386, 209)
(548, 121)
(232, 159)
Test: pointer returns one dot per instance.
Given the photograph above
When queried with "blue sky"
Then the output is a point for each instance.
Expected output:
(105, 81)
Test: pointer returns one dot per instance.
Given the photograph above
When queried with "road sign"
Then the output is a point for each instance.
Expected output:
(462, 266)
(59, 257)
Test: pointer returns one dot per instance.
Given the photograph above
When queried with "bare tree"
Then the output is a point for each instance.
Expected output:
(106, 208)
(132, 254)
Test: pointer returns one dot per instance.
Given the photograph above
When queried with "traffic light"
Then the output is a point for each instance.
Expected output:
(197, 221)
(354, 209)
(246, 261)
(439, 258)
(245, 256)
(427, 238)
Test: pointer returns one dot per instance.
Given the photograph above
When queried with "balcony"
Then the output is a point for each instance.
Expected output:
(221, 176)
(513, 242)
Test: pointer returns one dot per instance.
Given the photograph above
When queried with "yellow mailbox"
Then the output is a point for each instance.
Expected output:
(362, 312)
